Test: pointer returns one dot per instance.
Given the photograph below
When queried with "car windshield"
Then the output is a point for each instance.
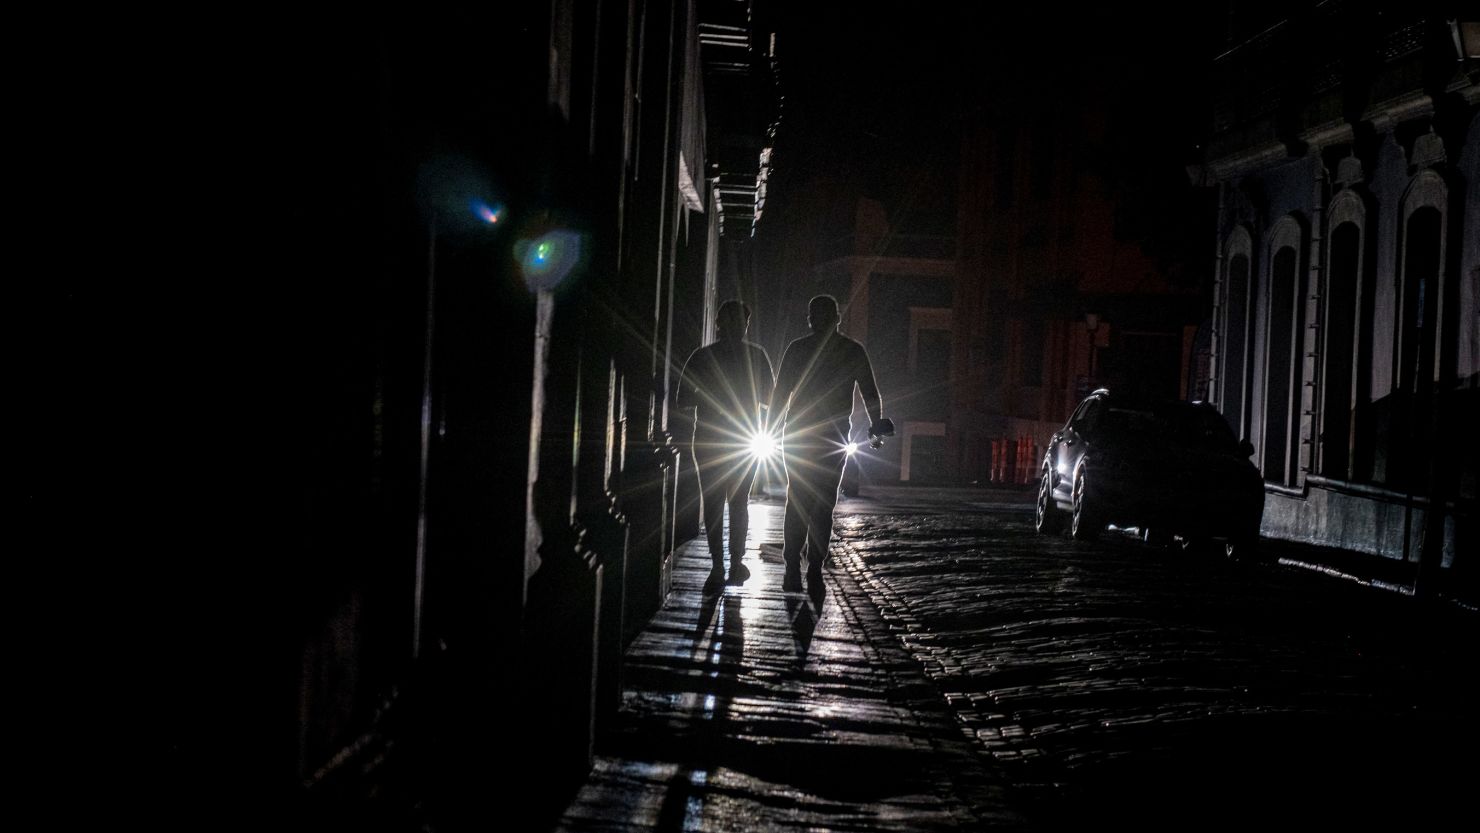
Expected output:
(1178, 423)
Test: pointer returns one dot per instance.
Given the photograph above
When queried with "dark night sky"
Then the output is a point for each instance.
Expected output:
(861, 85)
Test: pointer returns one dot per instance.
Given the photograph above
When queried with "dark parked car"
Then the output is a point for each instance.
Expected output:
(1170, 468)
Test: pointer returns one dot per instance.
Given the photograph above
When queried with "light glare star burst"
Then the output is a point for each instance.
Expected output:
(762, 446)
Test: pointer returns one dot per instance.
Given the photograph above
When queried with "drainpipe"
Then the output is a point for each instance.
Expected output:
(1314, 292)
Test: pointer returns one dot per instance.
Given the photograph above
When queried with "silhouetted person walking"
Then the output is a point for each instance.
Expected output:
(728, 383)
(814, 392)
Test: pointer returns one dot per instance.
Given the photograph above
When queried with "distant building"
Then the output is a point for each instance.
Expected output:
(1345, 149)
(1054, 295)
(1005, 273)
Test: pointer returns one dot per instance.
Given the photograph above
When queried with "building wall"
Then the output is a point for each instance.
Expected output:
(1296, 173)
(454, 478)
(896, 301)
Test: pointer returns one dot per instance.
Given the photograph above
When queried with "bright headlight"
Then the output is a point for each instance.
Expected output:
(762, 446)
(851, 448)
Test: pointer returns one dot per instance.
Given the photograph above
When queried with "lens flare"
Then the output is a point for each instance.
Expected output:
(762, 446)
(851, 449)
(549, 260)
(490, 214)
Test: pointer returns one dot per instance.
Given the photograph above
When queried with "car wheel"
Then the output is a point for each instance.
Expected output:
(1048, 520)
(1085, 525)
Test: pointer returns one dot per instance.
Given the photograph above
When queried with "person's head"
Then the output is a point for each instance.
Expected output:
(822, 313)
(732, 320)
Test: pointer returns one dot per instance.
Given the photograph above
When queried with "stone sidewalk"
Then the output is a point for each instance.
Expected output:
(759, 710)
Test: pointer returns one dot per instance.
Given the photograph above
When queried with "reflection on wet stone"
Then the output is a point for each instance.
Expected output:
(763, 710)
(1123, 682)
(963, 672)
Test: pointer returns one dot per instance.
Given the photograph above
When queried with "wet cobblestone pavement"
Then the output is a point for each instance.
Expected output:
(964, 673)
(1120, 683)
(759, 710)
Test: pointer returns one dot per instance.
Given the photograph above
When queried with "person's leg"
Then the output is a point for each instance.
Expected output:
(739, 503)
(794, 524)
(820, 519)
(829, 459)
(712, 505)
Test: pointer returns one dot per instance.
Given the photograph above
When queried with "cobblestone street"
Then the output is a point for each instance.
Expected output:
(962, 672)
(1121, 681)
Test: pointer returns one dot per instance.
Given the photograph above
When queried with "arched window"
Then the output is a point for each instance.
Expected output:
(1421, 341)
(1346, 364)
(1282, 358)
(1421, 265)
(1234, 350)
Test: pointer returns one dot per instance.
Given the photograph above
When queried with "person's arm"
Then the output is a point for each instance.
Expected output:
(767, 383)
(685, 398)
(781, 394)
(869, 388)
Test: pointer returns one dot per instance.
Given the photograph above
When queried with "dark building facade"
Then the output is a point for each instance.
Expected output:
(1052, 301)
(1019, 234)
(494, 236)
(1076, 266)
(1345, 151)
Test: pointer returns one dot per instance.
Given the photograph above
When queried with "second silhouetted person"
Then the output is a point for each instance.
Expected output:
(814, 402)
